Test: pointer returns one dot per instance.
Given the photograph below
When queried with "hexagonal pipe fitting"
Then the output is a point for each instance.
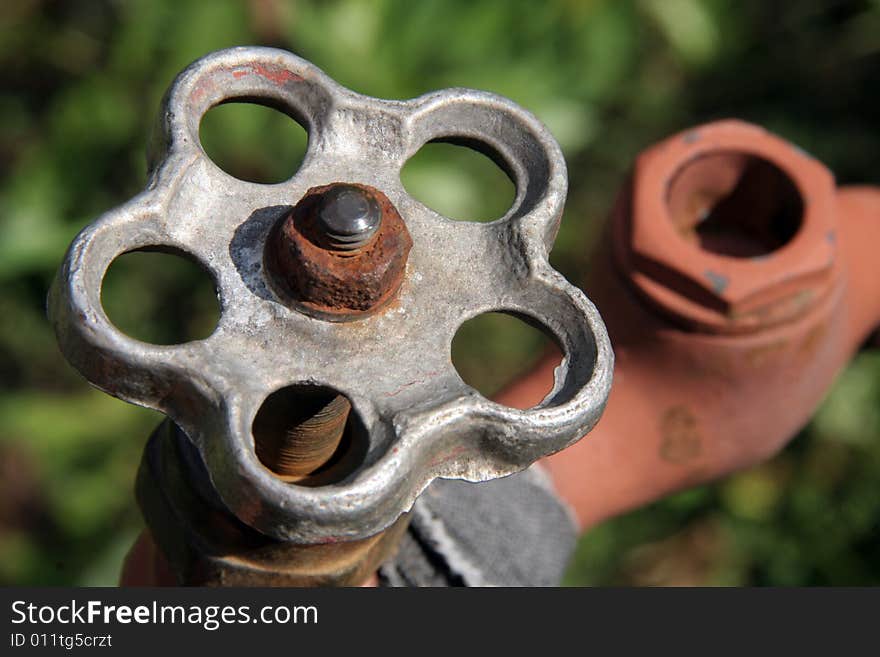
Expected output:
(727, 228)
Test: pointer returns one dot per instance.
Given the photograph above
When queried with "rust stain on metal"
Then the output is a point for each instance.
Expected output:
(428, 376)
(813, 340)
(759, 356)
(710, 367)
(337, 284)
(681, 440)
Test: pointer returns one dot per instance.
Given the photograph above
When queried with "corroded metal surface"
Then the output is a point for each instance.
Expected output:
(335, 284)
(296, 442)
(202, 544)
(419, 419)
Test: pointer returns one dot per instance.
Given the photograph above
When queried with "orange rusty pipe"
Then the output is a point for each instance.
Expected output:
(859, 212)
(735, 281)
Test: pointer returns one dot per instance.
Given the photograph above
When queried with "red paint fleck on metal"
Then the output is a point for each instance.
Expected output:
(200, 91)
(275, 74)
(278, 75)
(428, 376)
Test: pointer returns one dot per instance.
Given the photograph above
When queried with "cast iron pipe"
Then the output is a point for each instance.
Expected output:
(736, 281)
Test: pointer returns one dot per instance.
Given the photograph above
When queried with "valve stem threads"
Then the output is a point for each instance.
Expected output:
(296, 442)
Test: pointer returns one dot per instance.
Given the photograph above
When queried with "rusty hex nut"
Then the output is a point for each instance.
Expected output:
(727, 228)
(330, 282)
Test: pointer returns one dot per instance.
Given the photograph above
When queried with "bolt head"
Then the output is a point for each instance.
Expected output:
(348, 217)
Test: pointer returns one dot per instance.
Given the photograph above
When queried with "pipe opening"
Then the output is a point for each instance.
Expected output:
(735, 204)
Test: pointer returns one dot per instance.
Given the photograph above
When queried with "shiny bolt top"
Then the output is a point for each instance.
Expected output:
(348, 217)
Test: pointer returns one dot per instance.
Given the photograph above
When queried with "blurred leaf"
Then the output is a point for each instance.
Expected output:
(458, 182)
(851, 413)
(688, 26)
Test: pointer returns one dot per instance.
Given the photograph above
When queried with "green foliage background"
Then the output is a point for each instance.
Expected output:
(81, 82)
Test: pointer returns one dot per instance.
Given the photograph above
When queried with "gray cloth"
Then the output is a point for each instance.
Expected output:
(513, 531)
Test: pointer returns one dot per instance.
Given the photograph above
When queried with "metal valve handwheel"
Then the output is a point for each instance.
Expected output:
(285, 257)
